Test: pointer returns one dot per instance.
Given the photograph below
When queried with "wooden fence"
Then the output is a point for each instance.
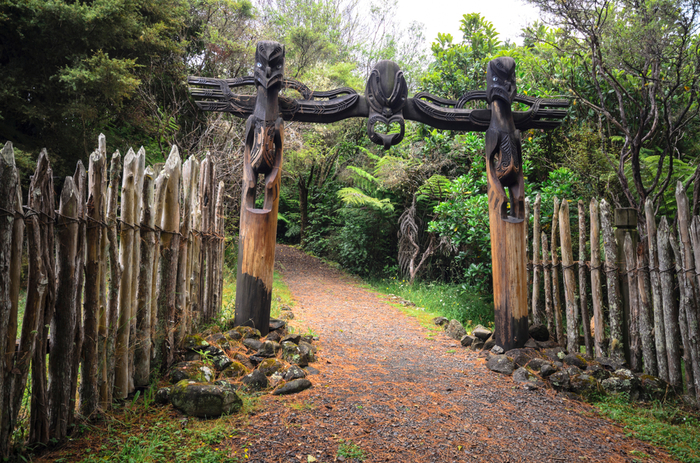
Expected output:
(107, 295)
(640, 302)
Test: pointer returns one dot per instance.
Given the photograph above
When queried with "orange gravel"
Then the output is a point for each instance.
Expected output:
(400, 396)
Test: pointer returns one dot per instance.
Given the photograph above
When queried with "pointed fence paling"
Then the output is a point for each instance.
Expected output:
(660, 334)
(109, 287)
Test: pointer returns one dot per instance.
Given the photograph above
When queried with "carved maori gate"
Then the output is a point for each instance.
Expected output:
(385, 101)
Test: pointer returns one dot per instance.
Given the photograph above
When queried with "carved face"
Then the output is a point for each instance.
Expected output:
(500, 79)
(269, 63)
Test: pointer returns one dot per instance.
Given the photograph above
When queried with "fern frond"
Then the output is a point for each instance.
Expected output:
(356, 198)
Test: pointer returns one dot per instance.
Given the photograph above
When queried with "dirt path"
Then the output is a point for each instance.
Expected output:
(403, 397)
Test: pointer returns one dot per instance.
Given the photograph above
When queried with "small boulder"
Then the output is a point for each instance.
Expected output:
(481, 332)
(546, 344)
(539, 332)
(621, 380)
(530, 381)
(611, 363)
(490, 342)
(311, 370)
(194, 371)
(288, 316)
(308, 338)
(522, 356)
(294, 372)
(652, 387)
(248, 332)
(293, 338)
(596, 370)
(234, 335)
(440, 321)
(255, 380)
(270, 366)
(500, 364)
(583, 383)
(244, 360)
(535, 364)
(554, 353)
(560, 380)
(292, 387)
(497, 350)
(276, 324)
(576, 360)
(531, 343)
(274, 336)
(204, 400)
(194, 342)
(478, 344)
(301, 355)
(547, 370)
(162, 396)
(192, 356)
(455, 330)
(221, 362)
(467, 340)
(216, 338)
(268, 349)
(252, 344)
(235, 370)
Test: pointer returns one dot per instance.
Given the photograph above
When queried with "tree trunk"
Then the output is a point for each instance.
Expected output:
(631, 268)
(11, 230)
(659, 329)
(537, 316)
(646, 323)
(671, 310)
(63, 324)
(115, 277)
(567, 262)
(686, 299)
(170, 239)
(689, 274)
(142, 341)
(614, 301)
(585, 317)
(547, 283)
(80, 181)
(42, 201)
(89, 394)
(596, 287)
(126, 244)
(135, 264)
(556, 298)
(182, 315)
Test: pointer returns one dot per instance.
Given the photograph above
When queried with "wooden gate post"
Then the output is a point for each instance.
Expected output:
(506, 215)
(263, 155)
(626, 222)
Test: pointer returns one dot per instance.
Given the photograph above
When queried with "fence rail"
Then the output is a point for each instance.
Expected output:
(108, 296)
(649, 274)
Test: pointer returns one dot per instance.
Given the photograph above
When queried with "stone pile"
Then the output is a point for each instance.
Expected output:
(542, 363)
(216, 365)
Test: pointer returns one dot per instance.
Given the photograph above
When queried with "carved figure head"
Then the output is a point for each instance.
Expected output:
(500, 79)
(386, 92)
(269, 63)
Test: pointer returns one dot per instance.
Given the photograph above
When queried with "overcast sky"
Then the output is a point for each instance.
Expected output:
(507, 16)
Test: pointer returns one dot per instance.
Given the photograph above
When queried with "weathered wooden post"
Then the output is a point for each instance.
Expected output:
(626, 222)
(385, 102)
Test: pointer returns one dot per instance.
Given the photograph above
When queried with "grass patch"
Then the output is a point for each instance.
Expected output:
(348, 449)
(456, 301)
(135, 432)
(665, 425)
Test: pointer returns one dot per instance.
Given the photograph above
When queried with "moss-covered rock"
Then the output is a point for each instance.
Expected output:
(300, 355)
(216, 338)
(221, 362)
(270, 366)
(292, 387)
(247, 332)
(583, 384)
(204, 400)
(195, 370)
(235, 370)
(194, 342)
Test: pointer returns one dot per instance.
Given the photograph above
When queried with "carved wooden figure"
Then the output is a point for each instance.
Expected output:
(385, 102)
(263, 156)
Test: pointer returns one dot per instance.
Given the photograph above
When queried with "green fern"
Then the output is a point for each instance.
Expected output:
(356, 198)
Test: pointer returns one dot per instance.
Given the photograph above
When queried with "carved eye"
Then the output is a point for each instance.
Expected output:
(259, 65)
(494, 79)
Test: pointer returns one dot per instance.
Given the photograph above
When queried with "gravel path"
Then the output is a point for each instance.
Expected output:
(401, 395)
